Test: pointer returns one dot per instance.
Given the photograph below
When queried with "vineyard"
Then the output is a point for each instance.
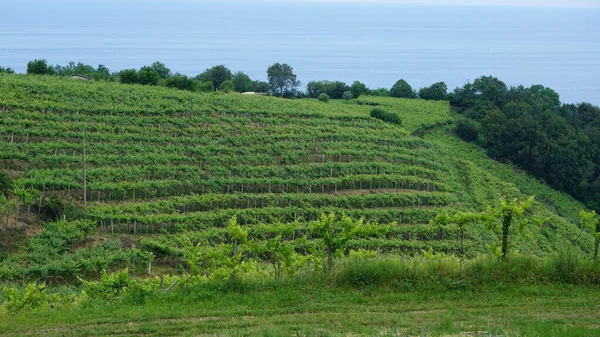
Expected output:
(125, 175)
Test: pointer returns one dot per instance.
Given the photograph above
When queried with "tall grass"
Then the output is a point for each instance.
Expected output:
(451, 272)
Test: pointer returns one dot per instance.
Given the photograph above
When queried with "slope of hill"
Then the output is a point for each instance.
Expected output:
(164, 168)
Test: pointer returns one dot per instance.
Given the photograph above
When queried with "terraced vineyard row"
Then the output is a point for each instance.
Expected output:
(154, 168)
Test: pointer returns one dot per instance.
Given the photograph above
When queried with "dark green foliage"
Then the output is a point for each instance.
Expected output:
(99, 73)
(129, 76)
(6, 182)
(148, 76)
(335, 89)
(382, 92)
(282, 80)
(162, 70)
(227, 86)
(7, 70)
(386, 116)
(437, 91)
(242, 82)
(402, 89)
(528, 126)
(217, 75)
(485, 88)
(39, 67)
(323, 98)
(180, 82)
(467, 130)
(203, 86)
(357, 88)
(260, 86)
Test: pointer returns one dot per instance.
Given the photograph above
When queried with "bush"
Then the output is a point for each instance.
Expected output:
(110, 286)
(467, 131)
(129, 76)
(31, 297)
(437, 91)
(402, 89)
(148, 76)
(347, 95)
(180, 82)
(386, 116)
(227, 86)
(324, 98)
(7, 70)
(39, 67)
(6, 183)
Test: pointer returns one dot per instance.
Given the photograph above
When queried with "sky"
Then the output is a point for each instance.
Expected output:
(502, 3)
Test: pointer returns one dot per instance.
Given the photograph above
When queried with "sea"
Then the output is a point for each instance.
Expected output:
(375, 43)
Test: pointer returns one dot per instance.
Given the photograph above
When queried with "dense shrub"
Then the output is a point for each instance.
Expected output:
(129, 76)
(148, 76)
(386, 116)
(324, 98)
(180, 82)
(347, 95)
(467, 131)
(39, 67)
(402, 89)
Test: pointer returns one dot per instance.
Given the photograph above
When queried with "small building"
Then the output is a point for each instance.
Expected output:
(81, 77)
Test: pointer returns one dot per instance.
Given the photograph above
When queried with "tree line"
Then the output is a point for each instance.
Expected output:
(558, 143)
(281, 81)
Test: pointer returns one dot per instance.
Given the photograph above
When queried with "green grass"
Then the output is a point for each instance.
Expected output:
(313, 309)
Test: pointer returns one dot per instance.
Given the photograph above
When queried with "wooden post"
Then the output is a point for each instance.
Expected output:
(84, 173)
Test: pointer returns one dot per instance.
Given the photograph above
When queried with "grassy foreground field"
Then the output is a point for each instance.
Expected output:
(310, 309)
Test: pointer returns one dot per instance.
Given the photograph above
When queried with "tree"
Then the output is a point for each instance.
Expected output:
(382, 92)
(461, 220)
(333, 89)
(148, 76)
(6, 183)
(203, 86)
(437, 91)
(227, 86)
(161, 69)
(102, 73)
(242, 82)
(315, 88)
(128, 76)
(506, 215)
(357, 88)
(282, 80)
(39, 67)
(336, 89)
(335, 233)
(260, 86)
(402, 89)
(467, 130)
(347, 95)
(323, 98)
(217, 75)
(180, 82)
(7, 70)
(590, 221)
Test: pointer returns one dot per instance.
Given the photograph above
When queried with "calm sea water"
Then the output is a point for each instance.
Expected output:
(376, 44)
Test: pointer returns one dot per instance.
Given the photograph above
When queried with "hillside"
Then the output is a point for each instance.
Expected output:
(164, 168)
